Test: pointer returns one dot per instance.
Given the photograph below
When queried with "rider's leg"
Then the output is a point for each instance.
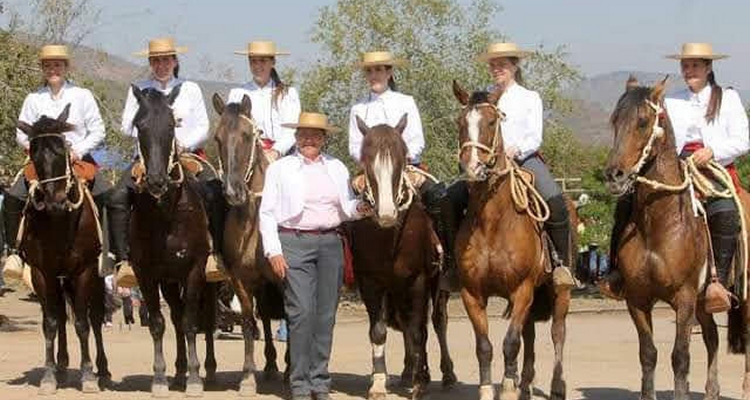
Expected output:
(118, 211)
(724, 225)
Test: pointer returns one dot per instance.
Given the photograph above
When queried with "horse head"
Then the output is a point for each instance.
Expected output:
(157, 146)
(50, 155)
(480, 135)
(641, 133)
(238, 139)
(384, 159)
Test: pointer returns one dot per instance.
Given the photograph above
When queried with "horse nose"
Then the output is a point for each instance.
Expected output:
(387, 221)
(234, 196)
(157, 184)
(614, 174)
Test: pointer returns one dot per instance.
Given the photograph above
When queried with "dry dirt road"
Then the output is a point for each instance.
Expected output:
(601, 357)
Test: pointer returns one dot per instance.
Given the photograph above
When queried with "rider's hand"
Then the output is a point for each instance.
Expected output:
(364, 208)
(703, 156)
(512, 152)
(279, 265)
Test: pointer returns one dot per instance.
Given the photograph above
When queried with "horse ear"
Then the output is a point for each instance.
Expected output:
(461, 95)
(402, 124)
(631, 83)
(218, 103)
(137, 93)
(657, 93)
(24, 127)
(64, 114)
(173, 94)
(495, 95)
(246, 106)
(363, 128)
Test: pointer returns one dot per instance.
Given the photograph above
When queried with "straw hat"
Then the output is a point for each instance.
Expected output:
(54, 52)
(502, 49)
(313, 121)
(261, 49)
(161, 47)
(373, 58)
(697, 50)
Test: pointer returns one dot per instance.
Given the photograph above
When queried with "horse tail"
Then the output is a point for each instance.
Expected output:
(542, 307)
(737, 326)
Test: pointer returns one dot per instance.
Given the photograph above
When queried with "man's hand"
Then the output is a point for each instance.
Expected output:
(703, 156)
(279, 265)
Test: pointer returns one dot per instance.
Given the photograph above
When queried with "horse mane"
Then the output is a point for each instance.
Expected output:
(629, 103)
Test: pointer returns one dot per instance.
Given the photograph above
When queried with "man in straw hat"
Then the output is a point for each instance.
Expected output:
(306, 197)
(274, 102)
(709, 123)
(89, 132)
(191, 134)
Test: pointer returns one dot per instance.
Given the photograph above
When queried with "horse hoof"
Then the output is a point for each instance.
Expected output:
(194, 390)
(159, 391)
(376, 396)
(509, 390)
(248, 388)
(210, 378)
(406, 381)
(90, 387)
(418, 391)
(449, 380)
(486, 392)
(47, 388)
(271, 375)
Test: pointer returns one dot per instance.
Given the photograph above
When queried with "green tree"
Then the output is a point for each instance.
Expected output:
(440, 40)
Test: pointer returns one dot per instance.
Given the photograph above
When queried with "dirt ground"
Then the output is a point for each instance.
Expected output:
(601, 357)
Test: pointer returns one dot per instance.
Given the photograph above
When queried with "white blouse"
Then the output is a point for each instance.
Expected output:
(84, 115)
(523, 124)
(727, 135)
(387, 108)
(188, 107)
(269, 116)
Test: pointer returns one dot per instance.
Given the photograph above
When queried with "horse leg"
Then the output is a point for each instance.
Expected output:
(248, 386)
(208, 318)
(96, 316)
(376, 308)
(440, 324)
(521, 300)
(746, 332)
(711, 340)
(150, 291)
(63, 359)
(527, 373)
(681, 352)
(195, 284)
(560, 313)
(271, 368)
(418, 331)
(647, 351)
(82, 295)
(176, 313)
(476, 308)
(49, 299)
(407, 375)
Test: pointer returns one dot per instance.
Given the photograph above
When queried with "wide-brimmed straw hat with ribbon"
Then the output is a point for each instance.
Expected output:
(313, 121)
(503, 49)
(702, 51)
(161, 47)
(54, 52)
(374, 58)
(261, 49)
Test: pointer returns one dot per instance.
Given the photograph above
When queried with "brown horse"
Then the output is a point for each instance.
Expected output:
(170, 244)
(243, 172)
(396, 263)
(662, 250)
(60, 242)
(502, 251)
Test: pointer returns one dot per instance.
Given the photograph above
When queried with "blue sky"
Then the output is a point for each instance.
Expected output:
(601, 35)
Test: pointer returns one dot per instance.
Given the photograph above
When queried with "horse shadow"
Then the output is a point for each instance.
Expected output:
(70, 379)
(624, 394)
(225, 381)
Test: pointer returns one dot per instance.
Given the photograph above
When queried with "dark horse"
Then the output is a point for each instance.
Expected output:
(243, 172)
(502, 251)
(396, 263)
(662, 252)
(61, 243)
(169, 243)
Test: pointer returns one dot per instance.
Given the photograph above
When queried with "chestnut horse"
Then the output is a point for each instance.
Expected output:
(396, 263)
(502, 251)
(61, 243)
(662, 251)
(243, 170)
(169, 244)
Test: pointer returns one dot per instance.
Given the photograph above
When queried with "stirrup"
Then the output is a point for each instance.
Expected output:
(125, 277)
(718, 298)
(215, 271)
(562, 278)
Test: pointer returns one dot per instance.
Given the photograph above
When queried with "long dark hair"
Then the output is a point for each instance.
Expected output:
(714, 105)
(391, 80)
(280, 87)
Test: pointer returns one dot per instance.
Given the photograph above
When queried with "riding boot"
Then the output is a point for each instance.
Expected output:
(724, 227)
(216, 212)
(118, 211)
(558, 229)
(13, 268)
(441, 212)
(611, 285)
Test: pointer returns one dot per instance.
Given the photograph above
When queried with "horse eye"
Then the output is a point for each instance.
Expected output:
(642, 123)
